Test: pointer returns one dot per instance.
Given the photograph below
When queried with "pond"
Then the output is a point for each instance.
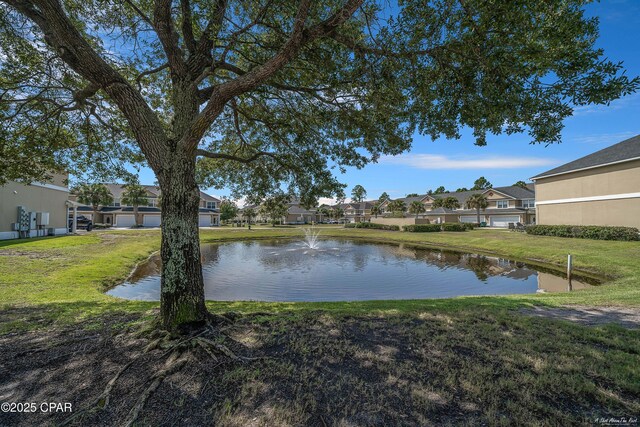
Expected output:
(348, 270)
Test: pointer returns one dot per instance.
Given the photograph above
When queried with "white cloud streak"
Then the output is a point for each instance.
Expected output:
(435, 161)
(604, 138)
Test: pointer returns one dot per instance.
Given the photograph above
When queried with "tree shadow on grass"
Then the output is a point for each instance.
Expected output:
(435, 366)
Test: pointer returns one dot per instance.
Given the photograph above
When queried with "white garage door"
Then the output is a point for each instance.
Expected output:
(503, 221)
(204, 221)
(151, 221)
(469, 218)
(125, 221)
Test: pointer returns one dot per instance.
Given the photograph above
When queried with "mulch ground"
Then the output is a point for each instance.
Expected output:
(313, 369)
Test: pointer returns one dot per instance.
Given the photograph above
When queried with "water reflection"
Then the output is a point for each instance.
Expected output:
(343, 270)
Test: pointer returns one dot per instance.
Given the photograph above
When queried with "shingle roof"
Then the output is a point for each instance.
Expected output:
(461, 196)
(297, 209)
(623, 151)
(117, 190)
(515, 192)
(409, 200)
(208, 198)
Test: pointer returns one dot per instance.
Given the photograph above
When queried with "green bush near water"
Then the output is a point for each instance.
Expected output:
(372, 225)
(585, 232)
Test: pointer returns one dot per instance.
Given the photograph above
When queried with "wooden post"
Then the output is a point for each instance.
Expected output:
(569, 268)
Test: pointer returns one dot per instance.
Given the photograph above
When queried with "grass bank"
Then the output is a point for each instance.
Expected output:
(459, 361)
(62, 279)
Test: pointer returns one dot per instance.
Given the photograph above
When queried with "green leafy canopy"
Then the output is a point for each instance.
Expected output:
(273, 95)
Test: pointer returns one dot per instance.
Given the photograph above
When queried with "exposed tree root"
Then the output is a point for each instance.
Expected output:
(179, 350)
(174, 364)
(101, 401)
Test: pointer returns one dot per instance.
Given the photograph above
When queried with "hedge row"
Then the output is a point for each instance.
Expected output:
(372, 225)
(585, 232)
(431, 228)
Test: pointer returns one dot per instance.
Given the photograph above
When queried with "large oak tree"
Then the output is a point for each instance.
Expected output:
(257, 94)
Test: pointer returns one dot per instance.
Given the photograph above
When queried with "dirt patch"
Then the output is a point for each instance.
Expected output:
(591, 316)
(314, 370)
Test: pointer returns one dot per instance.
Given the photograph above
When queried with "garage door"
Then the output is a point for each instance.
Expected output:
(470, 218)
(151, 221)
(204, 221)
(125, 221)
(503, 221)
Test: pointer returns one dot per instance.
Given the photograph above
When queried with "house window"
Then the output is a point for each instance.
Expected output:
(502, 204)
(528, 203)
(116, 202)
(211, 205)
(152, 202)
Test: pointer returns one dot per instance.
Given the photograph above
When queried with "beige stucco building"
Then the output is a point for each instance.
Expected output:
(122, 216)
(44, 206)
(602, 188)
(507, 205)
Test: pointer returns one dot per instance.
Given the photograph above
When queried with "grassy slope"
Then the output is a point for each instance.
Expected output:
(417, 360)
(65, 277)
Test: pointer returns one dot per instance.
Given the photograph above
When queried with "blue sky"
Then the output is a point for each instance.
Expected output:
(507, 159)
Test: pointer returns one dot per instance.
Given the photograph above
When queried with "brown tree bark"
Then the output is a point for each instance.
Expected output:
(182, 286)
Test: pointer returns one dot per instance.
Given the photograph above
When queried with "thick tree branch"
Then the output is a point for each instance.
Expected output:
(222, 93)
(65, 39)
(201, 58)
(169, 38)
(187, 26)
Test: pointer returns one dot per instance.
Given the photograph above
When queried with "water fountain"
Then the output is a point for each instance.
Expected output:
(311, 237)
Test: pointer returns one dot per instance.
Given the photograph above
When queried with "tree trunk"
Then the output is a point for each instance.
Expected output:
(182, 286)
(478, 218)
(135, 215)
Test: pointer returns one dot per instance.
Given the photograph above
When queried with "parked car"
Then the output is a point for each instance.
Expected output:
(82, 222)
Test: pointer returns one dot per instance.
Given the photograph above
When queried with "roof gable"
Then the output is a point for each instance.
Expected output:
(621, 152)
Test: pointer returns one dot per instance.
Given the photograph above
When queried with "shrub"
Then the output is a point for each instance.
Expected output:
(454, 226)
(422, 228)
(373, 225)
(470, 225)
(585, 232)
(100, 225)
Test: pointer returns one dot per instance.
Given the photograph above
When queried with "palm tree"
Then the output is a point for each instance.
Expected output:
(376, 210)
(397, 206)
(416, 207)
(477, 202)
(134, 195)
(449, 202)
(94, 195)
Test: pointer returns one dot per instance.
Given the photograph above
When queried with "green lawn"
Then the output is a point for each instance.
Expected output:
(459, 361)
(65, 277)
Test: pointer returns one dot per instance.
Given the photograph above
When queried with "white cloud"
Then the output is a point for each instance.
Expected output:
(604, 138)
(436, 161)
(326, 201)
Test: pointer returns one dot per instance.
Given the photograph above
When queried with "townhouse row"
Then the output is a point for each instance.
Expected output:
(602, 188)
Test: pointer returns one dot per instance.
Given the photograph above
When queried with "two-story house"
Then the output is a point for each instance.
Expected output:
(602, 188)
(358, 211)
(149, 215)
(510, 204)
